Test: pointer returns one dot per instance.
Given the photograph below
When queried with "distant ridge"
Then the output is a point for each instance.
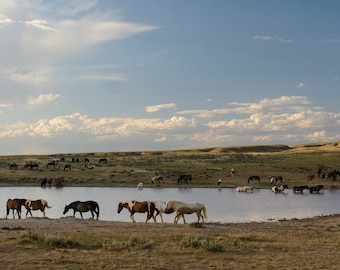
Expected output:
(252, 149)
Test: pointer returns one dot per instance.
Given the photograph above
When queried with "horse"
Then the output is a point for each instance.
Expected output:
(316, 189)
(310, 177)
(156, 179)
(67, 167)
(83, 207)
(90, 167)
(244, 189)
(184, 178)
(138, 207)
(36, 205)
(31, 166)
(140, 185)
(13, 166)
(275, 179)
(52, 163)
(160, 207)
(332, 175)
(279, 189)
(253, 178)
(299, 189)
(15, 204)
(103, 160)
(182, 208)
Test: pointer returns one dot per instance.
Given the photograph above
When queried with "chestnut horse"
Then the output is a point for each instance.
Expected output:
(83, 207)
(182, 208)
(15, 204)
(36, 205)
(138, 207)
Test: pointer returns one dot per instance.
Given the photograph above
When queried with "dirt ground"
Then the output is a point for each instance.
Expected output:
(312, 243)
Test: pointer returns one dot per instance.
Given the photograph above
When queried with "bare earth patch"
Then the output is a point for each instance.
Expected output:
(69, 243)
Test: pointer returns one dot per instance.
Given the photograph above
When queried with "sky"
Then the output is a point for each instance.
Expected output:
(105, 76)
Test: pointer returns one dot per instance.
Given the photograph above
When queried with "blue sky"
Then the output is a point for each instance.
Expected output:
(92, 76)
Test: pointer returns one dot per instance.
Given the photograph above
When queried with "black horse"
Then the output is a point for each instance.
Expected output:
(299, 189)
(316, 189)
(83, 207)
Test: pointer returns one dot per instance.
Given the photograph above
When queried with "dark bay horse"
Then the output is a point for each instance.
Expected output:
(15, 204)
(299, 189)
(138, 207)
(36, 205)
(80, 207)
(316, 189)
(254, 178)
(184, 178)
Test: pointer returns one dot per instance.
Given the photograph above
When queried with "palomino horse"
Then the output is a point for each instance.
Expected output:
(316, 189)
(279, 189)
(253, 178)
(182, 208)
(83, 207)
(36, 205)
(15, 204)
(160, 207)
(138, 207)
(299, 189)
(244, 189)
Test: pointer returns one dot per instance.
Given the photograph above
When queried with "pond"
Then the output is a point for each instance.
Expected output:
(223, 205)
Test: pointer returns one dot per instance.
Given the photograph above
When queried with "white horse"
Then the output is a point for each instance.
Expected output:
(279, 189)
(244, 189)
(140, 185)
(182, 208)
(161, 208)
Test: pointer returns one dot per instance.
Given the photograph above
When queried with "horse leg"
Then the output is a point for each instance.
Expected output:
(132, 218)
(160, 214)
(184, 219)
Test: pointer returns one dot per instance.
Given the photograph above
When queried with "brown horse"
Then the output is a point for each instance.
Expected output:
(83, 207)
(36, 205)
(310, 177)
(184, 178)
(15, 204)
(138, 207)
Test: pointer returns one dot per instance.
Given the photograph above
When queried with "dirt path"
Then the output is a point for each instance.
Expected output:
(69, 243)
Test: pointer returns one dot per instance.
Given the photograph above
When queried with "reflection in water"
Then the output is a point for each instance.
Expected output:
(223, 204)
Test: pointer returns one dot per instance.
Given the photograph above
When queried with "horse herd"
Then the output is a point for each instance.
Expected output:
(281, 188)
(151, 208)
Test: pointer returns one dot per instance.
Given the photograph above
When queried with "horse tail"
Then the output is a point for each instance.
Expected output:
(97, 211)
(205, 212)
(45, 203)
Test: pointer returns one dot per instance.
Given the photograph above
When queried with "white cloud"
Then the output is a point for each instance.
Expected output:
(42, 99)
(155, 108)
(274, 38)
(300, 85)
(103, 77)
(41, 24)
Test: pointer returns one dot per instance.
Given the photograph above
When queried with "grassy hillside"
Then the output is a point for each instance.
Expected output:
(206, 166)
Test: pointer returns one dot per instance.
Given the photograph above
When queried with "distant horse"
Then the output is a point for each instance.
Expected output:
(43, 182)
(160, 207)
(52, 163)
(184, 178)
(90, 167)
(138, 207)
(279, 189)
(332, 175)
(299, 189)
(275, 179)
(15, 204)
(316, 189)
(31, 166)
(36, 205)
(182, 208)
(67, 167)
(140, 185)
(156, 179)
(80, 207)
(104, 160)
(13, 166)
(310, 177)
(244, 189)
(254, 178)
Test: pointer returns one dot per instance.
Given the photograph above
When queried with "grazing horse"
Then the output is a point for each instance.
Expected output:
(275, 179)
(160, 207)
(299, 189)
(254, 178)
(13, 166)
(67, 167)
(332, 175)
(184, 178)
(103, 160)
(52, 163)
(310, 177)
(182, 208)
(31, 165)
(138, 207)
(36, 205)
(316, 189)
(90, 167)
(279, 189)
(15, 204)
(83, 207)
(140, 185)
(244, 189)
(156, 179)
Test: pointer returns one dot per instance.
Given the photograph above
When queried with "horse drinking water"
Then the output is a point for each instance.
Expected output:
(81, 207)
(138, 207)
(182, 208)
